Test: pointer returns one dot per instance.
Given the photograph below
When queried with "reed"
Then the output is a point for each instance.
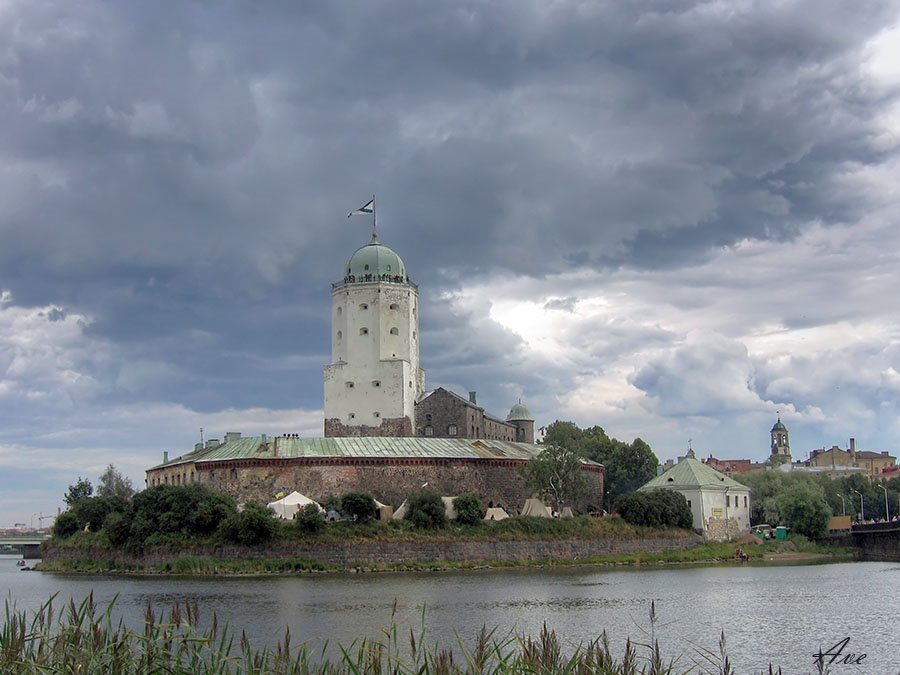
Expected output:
(84, 639)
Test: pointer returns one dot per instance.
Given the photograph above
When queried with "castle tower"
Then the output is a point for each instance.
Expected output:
(520, 416)
(374, 379)
(781, 443)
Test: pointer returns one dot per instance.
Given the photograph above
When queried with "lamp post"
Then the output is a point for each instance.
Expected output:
(862, 506)
(887, 512)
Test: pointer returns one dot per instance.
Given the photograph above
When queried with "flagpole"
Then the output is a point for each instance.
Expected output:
(374, 231)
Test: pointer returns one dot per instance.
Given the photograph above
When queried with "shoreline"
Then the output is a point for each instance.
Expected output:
(247, 568)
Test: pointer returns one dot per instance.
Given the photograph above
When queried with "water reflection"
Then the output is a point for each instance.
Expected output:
(779, 614)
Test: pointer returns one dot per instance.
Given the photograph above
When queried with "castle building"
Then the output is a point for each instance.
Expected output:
(374, 379)
(382, 433)
(444, 414)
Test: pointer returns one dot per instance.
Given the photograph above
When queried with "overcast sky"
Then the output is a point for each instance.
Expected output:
(671, 219)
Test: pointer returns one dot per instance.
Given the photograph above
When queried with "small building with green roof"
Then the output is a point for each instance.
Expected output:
(720, 505)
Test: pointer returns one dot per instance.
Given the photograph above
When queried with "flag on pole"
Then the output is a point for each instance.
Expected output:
(364, 210)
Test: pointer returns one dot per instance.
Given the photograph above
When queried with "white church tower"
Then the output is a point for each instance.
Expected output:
(374, 379)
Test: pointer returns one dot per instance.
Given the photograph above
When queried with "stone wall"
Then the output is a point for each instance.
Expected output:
(367, 553)
(393, 427)
(722, 529)
(389, 480)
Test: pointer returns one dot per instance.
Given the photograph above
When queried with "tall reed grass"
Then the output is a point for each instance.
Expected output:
(84, 639)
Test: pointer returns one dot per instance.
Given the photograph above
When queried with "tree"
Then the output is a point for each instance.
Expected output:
(91, 512)
(254, 525)
(804, 510)
(114, 484)
(178, 510)
(80, 490)
(656, 508)
(425, 509)
(65, 525)
(628, 466)
(310, 519)
(556, 474)
(469, 510)
(360, 505)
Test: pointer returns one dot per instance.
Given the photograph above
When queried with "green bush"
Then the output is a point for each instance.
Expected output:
(360, 505)
(92, 511)
(66, 524)
(310, 519)
(118, 528)
(178, 510)
(657, 508)
(254, 525)
(469, 510)
(426, 509)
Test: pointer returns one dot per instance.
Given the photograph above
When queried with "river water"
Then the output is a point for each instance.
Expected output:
(779, 614)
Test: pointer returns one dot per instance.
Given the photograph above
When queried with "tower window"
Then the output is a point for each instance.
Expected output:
(339, 335)
(352, 416)
(349, 385)
(377, 414)
(376, 383)
(340, 310)
(414, 335)
(388, 268)
(363, 331)
(429, 431)
(367, 267)
(363, 306)
(451, 430)
(394, 331)
(394, 305)
(428, 418)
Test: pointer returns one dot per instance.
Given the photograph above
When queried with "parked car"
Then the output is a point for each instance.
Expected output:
(763, 531)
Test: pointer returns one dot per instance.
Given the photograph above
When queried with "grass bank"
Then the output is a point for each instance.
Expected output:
(293, 551)
(84, 639)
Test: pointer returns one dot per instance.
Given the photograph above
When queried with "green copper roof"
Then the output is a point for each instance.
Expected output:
(374, 259)
(519, 413)
(279, 447)
(779, 426)
(692, 473)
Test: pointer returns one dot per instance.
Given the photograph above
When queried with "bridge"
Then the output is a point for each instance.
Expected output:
(29, 544)
(877, 541)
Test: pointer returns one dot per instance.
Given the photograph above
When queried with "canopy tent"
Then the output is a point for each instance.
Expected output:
(286, 507)
(567, 512)
(400, 513)
(385, 511)
(535, 507)
(495, 513)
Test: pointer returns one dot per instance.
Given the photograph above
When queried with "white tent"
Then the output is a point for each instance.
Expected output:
(286, 507)
(535, 507)
(385, 511)
(400, 513)
(449, 509)
(495, 513)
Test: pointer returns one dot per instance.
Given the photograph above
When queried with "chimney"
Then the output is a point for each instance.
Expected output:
(472, 398)
(852, 445)
(165, 456)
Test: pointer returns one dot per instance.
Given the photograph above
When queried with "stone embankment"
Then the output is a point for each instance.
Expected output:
(375, 553)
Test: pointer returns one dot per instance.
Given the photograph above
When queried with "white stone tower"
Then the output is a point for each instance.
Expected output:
(374, 379)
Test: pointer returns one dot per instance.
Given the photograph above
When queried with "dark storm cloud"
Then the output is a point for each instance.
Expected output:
(175, 179)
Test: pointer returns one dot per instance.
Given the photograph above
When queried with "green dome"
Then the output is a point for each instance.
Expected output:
(519, 413)
(779, 426)
(375, 259)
